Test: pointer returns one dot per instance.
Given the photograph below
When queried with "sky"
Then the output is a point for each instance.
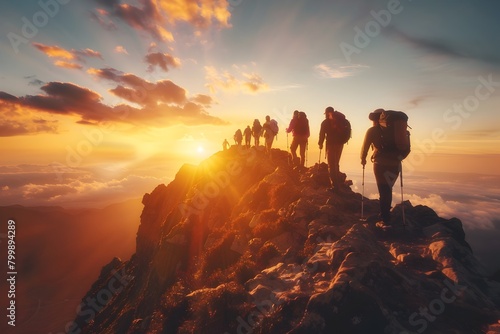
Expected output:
(102, 100)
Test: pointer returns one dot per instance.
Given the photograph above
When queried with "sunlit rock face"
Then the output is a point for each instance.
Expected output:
(244, 243)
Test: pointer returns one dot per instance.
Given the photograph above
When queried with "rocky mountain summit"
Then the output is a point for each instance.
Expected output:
(245, 244)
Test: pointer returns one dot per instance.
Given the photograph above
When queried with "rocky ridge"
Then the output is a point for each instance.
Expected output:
(245, 244)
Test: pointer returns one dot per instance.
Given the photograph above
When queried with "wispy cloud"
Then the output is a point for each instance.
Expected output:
(121, 49)
(71, 59)
(445, 48)
(237, 80)
(336, 70)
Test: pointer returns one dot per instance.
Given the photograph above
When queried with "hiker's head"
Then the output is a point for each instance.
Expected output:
(268, 118)
(375, 115)
(329, 111)
(295, 114)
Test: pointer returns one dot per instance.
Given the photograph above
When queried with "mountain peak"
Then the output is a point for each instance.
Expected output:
(243, 243)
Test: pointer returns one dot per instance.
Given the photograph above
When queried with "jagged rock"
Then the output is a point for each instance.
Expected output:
(245, 244)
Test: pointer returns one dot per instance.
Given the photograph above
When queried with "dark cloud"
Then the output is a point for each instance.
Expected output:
(444, 48)
(154, 17)
(36, 82)
(161, 104)
(137, 90)
(101, 17)
(148, 18)
(161, 60)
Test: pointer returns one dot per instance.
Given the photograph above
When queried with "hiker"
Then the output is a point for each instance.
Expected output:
(256, 131)
(225, 145)
(299, 126)
(337, 134)
(386, 165)
(248, 136)
(238, 137)
(269, 131)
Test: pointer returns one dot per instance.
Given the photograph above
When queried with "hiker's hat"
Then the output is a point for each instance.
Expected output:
(329, 109)
(375, 115)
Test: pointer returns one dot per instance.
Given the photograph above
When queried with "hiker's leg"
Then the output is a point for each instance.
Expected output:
(293, 149)
(335, 172)
(386, 177)
(302, 145)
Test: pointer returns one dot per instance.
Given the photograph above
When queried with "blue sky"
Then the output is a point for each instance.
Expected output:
(107, 98)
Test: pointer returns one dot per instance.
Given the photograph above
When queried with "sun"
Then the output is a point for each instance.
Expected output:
(200, 149)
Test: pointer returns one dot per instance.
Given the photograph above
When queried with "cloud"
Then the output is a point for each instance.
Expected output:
(55, 51)
(161, 104)
(443, 48)
(102, 18)
(157, 17)
(18, 122)
(161, 60)
(476, 215)
(239, 80)
(38, 185)
(67, 58)
(336, 70)
(68, 65)
(121, 49)
(203, 99)
(137, 90)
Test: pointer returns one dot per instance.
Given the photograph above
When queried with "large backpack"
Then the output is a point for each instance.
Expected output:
(395, 136)
(256, 128)
(301, 127)
(273, 125)
(341, 127)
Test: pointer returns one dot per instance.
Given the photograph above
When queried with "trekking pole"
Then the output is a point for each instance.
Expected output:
(319, 160)
(363, 219)
(307, 152)
(402, 198)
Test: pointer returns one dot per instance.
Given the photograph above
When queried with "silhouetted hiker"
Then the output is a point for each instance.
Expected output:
(391, 141)
(225, 145)
(299, 126)
(269, 131)
(335, 135)
(386, 166)
(238, 137)
(256, 131)
(248, 136)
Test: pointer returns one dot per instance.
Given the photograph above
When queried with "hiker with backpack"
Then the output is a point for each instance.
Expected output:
(269, 131)
(337, 131)
(225, 145)
(256, 131)
(238, 137)
(248, 136)
(389, 140)
(299, 127)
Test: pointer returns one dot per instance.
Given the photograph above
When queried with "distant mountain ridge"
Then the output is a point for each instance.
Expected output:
(243, 243)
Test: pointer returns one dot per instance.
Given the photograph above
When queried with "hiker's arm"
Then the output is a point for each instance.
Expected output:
(366, 146)
(321, 136)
